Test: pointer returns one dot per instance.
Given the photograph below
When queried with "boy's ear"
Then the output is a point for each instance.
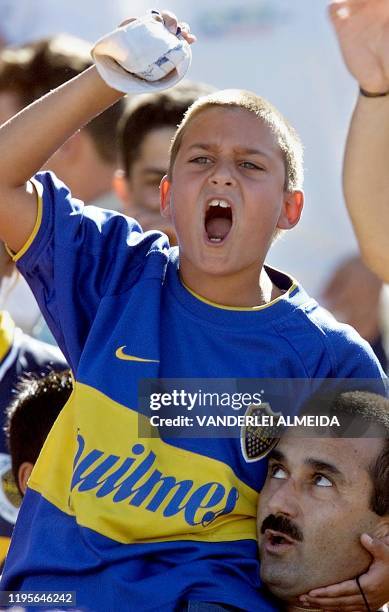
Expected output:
(291, 209)
(122, 189)
(164, 190)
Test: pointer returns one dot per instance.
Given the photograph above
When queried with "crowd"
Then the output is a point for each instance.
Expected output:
(96, 191)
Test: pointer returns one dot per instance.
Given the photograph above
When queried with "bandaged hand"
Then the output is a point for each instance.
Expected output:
(144, 54)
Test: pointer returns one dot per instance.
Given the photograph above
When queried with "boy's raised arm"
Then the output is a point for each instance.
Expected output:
(362, 27)
(29, 139)
(32, 136)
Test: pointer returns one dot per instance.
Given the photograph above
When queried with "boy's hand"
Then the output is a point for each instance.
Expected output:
(149, 53)
(362, 28)
(171, 22)
(346, 596)
(176, 27)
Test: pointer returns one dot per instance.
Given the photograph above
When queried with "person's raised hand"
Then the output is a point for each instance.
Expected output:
(362, 28)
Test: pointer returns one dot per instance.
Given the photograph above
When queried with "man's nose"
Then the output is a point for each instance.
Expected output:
(285, 500)
(223, 175)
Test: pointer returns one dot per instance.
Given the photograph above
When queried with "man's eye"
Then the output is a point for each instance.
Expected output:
(200, 160)
(278, 472)
(322, 481)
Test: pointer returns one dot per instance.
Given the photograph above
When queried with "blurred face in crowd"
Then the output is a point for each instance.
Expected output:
(312, 511)
(139, 191)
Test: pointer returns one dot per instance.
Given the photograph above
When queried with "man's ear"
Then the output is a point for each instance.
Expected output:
(291, 209)
(165, 194)
(123, 191)
(24, 473)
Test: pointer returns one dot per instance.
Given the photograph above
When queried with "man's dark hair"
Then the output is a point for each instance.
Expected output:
(373, 410)
(35, 69)
(39, 400)
(151, 112)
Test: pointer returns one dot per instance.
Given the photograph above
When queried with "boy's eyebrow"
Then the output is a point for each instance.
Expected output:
(242, 150)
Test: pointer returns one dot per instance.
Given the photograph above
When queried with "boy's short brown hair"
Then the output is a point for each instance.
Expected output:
(286, 136)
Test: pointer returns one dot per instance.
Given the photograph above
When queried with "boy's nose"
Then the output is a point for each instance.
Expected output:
(222, 175)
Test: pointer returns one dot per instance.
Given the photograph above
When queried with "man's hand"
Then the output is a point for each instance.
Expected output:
(362, 28)
(352, 295)
(346, 596)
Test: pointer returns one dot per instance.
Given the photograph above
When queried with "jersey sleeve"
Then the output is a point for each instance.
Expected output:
(350, 355)
(77, 255)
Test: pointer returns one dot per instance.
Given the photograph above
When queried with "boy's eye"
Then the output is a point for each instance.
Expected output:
(200, 160)
(279, 472)
(322, 481)
(250, 166)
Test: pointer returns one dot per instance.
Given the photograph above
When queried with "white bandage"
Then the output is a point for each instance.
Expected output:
(142, 56)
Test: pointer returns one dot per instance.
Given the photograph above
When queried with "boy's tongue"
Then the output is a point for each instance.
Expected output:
(218, 227)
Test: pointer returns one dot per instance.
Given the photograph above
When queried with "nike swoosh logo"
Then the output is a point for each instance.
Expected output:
(120, 354)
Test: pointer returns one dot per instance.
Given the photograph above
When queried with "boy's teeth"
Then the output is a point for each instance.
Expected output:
(215, 239)
(220, 203)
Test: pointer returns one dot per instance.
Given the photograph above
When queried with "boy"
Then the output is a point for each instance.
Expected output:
(147, 523)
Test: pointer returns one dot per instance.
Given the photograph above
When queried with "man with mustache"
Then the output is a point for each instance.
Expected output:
(325, 506)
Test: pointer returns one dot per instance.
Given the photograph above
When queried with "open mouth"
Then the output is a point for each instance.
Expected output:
(218, 220)
(276, 542)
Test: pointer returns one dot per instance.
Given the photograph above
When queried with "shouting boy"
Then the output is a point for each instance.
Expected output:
(133, 523)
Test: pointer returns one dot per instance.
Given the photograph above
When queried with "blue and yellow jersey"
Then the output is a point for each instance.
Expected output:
(144, 523)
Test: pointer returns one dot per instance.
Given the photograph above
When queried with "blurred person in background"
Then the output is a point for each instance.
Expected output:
(19, 354)
(144, 138)
(36, 406)
(86, 162)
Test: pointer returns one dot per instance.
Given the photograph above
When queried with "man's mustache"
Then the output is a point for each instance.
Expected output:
(283, 525)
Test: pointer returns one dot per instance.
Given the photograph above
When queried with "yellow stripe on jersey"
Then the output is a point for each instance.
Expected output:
(241, 308)
(7, 331)
(4, 546)
(94, 466)
(38, 188)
